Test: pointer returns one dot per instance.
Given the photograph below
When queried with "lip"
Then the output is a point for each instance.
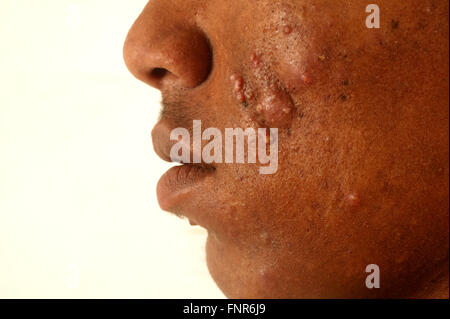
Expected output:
(181, 182)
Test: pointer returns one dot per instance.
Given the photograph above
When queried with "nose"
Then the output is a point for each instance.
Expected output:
(165, 48)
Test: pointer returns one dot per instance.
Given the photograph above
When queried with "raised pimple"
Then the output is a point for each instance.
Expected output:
(259, 108)
(256, 59)
(238, 86)
(306, 79)
(287, 29)
(352, 200)
(240, 96)
(275, 109)
(249, 95)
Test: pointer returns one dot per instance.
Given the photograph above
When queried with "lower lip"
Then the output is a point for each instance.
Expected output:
(179, 182)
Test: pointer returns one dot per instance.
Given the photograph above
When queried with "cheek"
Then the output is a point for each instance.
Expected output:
(262, 95)
(272, 71)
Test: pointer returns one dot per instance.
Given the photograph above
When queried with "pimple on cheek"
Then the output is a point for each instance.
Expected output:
(352, 200)
(275, 108)
(273, 105)
(238, 87)
(287, 29)
(256, 59)
(306, 78)
(266, 97)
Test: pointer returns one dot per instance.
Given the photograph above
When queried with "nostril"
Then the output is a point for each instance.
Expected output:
(158, 73)
(158, 76)
(170, 55)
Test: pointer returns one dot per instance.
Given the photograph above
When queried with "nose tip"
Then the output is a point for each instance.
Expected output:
(169, 54)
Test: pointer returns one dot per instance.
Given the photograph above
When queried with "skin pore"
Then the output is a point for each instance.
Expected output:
(363, 139)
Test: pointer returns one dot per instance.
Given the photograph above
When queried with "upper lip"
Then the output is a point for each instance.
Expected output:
(161, 139)
(177, 187)
(162, 143)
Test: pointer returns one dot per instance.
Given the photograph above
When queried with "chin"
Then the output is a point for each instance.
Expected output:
(241, 275)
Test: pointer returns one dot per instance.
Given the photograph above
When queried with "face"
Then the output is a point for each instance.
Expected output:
(362, 118)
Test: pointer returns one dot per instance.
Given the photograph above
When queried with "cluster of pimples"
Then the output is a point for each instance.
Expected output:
(270, 102)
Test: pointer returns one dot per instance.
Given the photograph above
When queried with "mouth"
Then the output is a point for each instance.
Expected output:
(180, 183)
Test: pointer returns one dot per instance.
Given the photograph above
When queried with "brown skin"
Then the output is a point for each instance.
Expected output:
(363, 147)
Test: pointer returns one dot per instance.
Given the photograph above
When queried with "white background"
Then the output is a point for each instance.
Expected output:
(78, 211)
